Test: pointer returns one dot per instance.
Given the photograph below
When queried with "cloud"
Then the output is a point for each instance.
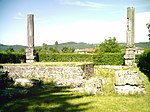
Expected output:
(19, 16)
(141, 31)
(89, 31)
(87, 4)
(92, 31)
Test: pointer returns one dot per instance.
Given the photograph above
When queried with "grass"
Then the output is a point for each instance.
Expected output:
(49, 63)
(60, 99)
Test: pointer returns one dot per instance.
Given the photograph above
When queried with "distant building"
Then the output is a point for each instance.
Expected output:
(85, 51)
(139, 50)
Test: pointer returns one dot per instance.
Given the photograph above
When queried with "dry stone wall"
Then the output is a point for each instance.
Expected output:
(61, 75)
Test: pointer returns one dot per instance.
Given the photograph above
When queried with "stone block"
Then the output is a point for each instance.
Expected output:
(27, 82)
(94, 86)
(128, 81)
(30, 55)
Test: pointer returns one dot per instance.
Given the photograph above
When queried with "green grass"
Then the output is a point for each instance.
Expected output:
(61, 99)
(49, 63)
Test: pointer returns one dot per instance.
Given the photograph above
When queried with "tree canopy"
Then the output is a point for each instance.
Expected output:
(67, 50)
(148, 27)
(10, 49)
(110, 45)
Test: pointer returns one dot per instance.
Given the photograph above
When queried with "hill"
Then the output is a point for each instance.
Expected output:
(143, 45)
(75, 45)
(15, 47)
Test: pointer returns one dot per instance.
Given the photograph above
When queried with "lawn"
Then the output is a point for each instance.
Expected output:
(61, 99)
(49, 64)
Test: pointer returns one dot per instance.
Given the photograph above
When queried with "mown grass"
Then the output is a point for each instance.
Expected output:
(49, 63)
(60, 99)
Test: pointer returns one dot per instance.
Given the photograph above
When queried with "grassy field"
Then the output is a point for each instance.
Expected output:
(49, 64)
(62, 99)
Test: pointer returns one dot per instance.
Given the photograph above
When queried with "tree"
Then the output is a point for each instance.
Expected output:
(67, 50)
(22, 50)
(109, 46)
(10, 49)
(148, 27)
(45, 47)
(56, 46)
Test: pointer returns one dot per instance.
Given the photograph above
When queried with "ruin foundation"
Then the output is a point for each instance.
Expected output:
(128, 82)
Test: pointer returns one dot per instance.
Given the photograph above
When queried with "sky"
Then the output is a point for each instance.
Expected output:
(90, 21)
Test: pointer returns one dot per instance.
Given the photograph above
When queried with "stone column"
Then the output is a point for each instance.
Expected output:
(30, 54)
(30, 30)
(130, 27)
(130, 46)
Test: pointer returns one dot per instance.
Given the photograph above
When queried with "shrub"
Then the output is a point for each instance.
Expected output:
(14, 57)
(65, 57)
(108, 59)
(144, 62)
(137, 56)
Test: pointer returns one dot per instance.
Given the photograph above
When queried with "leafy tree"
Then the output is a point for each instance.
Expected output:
(148, 27)
(56, 46)
(22, 50)
(10, 49)
(109, 46)
(45, 47)
(67, 50)
(52, 50)
(38, 49)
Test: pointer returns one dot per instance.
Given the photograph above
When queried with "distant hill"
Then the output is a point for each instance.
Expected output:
(15, 47)
(75, 45)
(143, 44)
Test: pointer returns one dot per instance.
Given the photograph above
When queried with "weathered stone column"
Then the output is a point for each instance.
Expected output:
(30, 30)
(130, 46)
(30, 54)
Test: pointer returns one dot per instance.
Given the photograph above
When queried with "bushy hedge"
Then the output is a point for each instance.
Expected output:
(65, 57)
(109, 59)
(144, 62)
(14, 57)
(98, 59)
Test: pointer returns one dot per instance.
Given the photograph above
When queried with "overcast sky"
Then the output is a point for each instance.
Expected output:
(90, 21)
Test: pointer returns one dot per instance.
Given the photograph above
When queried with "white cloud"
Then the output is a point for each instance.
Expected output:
(86, 4)
(89, 31)
(141, 31)
(81, 31)
(92, 31)
(19, 16)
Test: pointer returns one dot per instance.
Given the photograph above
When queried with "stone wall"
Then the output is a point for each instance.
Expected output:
(62, 75)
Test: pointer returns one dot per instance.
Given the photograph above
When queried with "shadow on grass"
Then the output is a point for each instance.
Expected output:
(45, 99)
